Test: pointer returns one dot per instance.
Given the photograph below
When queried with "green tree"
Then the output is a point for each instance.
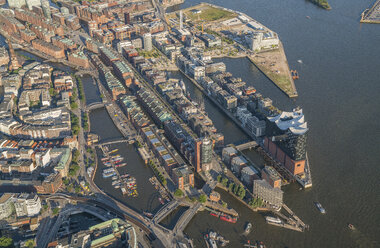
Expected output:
(65, 181)
(77, 189)
(202, 198)
(6, 242)
(241, 191)
(55, 211)
(219, 178)
(164, 182)
(231, 186)
(235, 190)
(73, 105)
(30, 243)
(225, 181)
(178, 193)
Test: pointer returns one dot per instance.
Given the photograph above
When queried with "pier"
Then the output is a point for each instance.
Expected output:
(293, 222)
(371, 15)
(210, 206)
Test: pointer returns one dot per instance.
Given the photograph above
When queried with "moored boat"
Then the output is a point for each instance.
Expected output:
(272, 220)
(121, 165)
(216, 214)
(228, 218)
(107, 175)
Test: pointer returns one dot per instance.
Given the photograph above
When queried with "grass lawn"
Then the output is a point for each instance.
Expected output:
(209, 13)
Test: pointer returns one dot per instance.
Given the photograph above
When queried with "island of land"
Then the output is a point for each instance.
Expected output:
(371, 15)
(321, 3)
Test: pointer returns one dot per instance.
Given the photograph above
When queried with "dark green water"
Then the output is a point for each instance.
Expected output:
(339, 92)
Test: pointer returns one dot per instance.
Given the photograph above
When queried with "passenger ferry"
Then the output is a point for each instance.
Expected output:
(272, 220)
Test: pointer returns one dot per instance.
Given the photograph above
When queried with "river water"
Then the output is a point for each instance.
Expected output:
(339, 92)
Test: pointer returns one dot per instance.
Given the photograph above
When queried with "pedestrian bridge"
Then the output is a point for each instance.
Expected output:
(246, 145)
(94, 105)
(114, 141)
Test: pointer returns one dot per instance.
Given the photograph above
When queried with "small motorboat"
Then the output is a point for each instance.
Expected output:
(351, 227)
(248, 228)
(320, 208)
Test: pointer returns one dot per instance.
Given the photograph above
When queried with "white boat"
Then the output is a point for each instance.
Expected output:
(248, 228)
(212, 243)
(300, 61)
(272, 220)
(320, 208)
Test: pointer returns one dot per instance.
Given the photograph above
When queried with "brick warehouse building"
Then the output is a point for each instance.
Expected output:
(286, 140)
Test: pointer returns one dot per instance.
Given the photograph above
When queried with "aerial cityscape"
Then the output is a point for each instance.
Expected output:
(182, 123)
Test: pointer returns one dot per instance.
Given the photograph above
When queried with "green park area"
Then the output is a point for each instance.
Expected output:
(204, 12)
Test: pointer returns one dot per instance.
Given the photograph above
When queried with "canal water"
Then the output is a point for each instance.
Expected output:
(339, 93)
(147, 199)
(91, 90)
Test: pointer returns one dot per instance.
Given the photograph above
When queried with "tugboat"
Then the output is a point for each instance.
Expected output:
(248, 228)
(294, 74)
(320, 208)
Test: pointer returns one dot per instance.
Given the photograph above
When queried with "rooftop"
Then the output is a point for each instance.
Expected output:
(294, 121)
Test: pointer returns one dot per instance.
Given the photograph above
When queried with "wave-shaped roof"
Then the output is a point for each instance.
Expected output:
(294, 121)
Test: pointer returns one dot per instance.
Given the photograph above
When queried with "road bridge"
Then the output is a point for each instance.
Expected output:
(165, 211)
(91, 72)
(186, 217)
